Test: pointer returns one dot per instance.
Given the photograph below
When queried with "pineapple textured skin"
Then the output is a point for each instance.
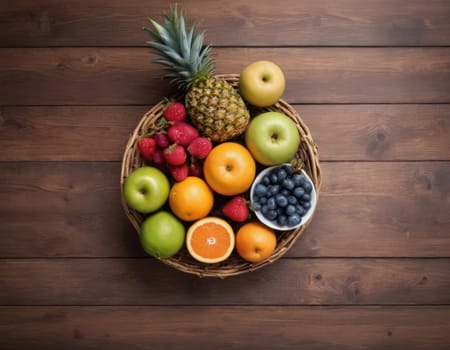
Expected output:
(216, 109)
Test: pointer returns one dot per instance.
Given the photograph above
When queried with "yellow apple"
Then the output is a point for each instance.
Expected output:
(262, 83)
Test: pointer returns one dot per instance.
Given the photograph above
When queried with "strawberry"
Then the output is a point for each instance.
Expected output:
(175, 155)
(175, 112)
(162, 140)
(200, 147)
(236, 209)
(182, 133)
(179, 172)
(196, 169)
(147, 147)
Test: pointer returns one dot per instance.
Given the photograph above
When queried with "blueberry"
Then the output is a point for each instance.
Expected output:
(299, 192)
(308, 187)
(274, 189)
(271, 215)
(265, 180)
(257, 206)
(297, 178)
(273, 178)
(292, 200)
(288, 184)
(304, 181)
(290, 210)
(306, 205)
(281, 200)
(289, 170)
(285, 192)
(300, 179)
(271, 204)
(294, 220)
(282, 220)
(299, 210)
(260, 189)
(263, 200)
(264, 209)
(305, 198)
(282, 174)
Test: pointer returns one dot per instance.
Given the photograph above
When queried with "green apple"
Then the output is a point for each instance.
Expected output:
(272, 138)
(262, 83)
(146, 189)
(162, 235)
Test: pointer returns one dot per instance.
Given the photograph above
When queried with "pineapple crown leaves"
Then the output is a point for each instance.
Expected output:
(181, 50)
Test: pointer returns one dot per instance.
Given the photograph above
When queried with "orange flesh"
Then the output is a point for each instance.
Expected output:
(210, 240)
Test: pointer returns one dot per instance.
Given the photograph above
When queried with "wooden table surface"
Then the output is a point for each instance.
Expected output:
(372, 81)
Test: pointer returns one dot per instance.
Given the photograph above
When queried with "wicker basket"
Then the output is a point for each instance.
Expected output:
(234, 265)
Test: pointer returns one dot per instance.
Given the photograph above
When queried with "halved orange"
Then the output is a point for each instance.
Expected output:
(210, 240)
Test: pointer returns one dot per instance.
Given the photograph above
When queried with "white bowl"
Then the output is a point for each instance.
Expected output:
(273, 223)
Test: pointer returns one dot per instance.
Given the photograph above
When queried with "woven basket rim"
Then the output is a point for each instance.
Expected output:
(308, 152)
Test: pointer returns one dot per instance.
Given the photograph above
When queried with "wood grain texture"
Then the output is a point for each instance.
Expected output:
(379, 132)
(118, 76)
(371, 80)
(285, 282)
(70, 209)
(97, 133)
(246, 327)
(365, 209)
(342, 132)
(305, 22)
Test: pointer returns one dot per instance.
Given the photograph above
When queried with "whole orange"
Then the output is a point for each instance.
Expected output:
(191, 199)
(255, 242)
(229, 169)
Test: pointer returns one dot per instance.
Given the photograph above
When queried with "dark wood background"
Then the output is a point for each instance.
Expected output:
(372, 81)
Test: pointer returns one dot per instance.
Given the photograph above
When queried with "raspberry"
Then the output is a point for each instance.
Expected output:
(162, 140)
(196, 169)
(158, 156)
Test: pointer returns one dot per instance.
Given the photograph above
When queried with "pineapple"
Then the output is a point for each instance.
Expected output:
(215, 108)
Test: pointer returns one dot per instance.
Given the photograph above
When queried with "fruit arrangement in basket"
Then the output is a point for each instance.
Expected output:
(223, 179)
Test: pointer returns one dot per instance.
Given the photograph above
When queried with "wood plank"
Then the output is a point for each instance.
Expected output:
(342, 132)
(379, 132)
(285, 282)
(73, 210)
(245, 327)
(97, 133)
(306, 22)
(69, 209)
(118, 76)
